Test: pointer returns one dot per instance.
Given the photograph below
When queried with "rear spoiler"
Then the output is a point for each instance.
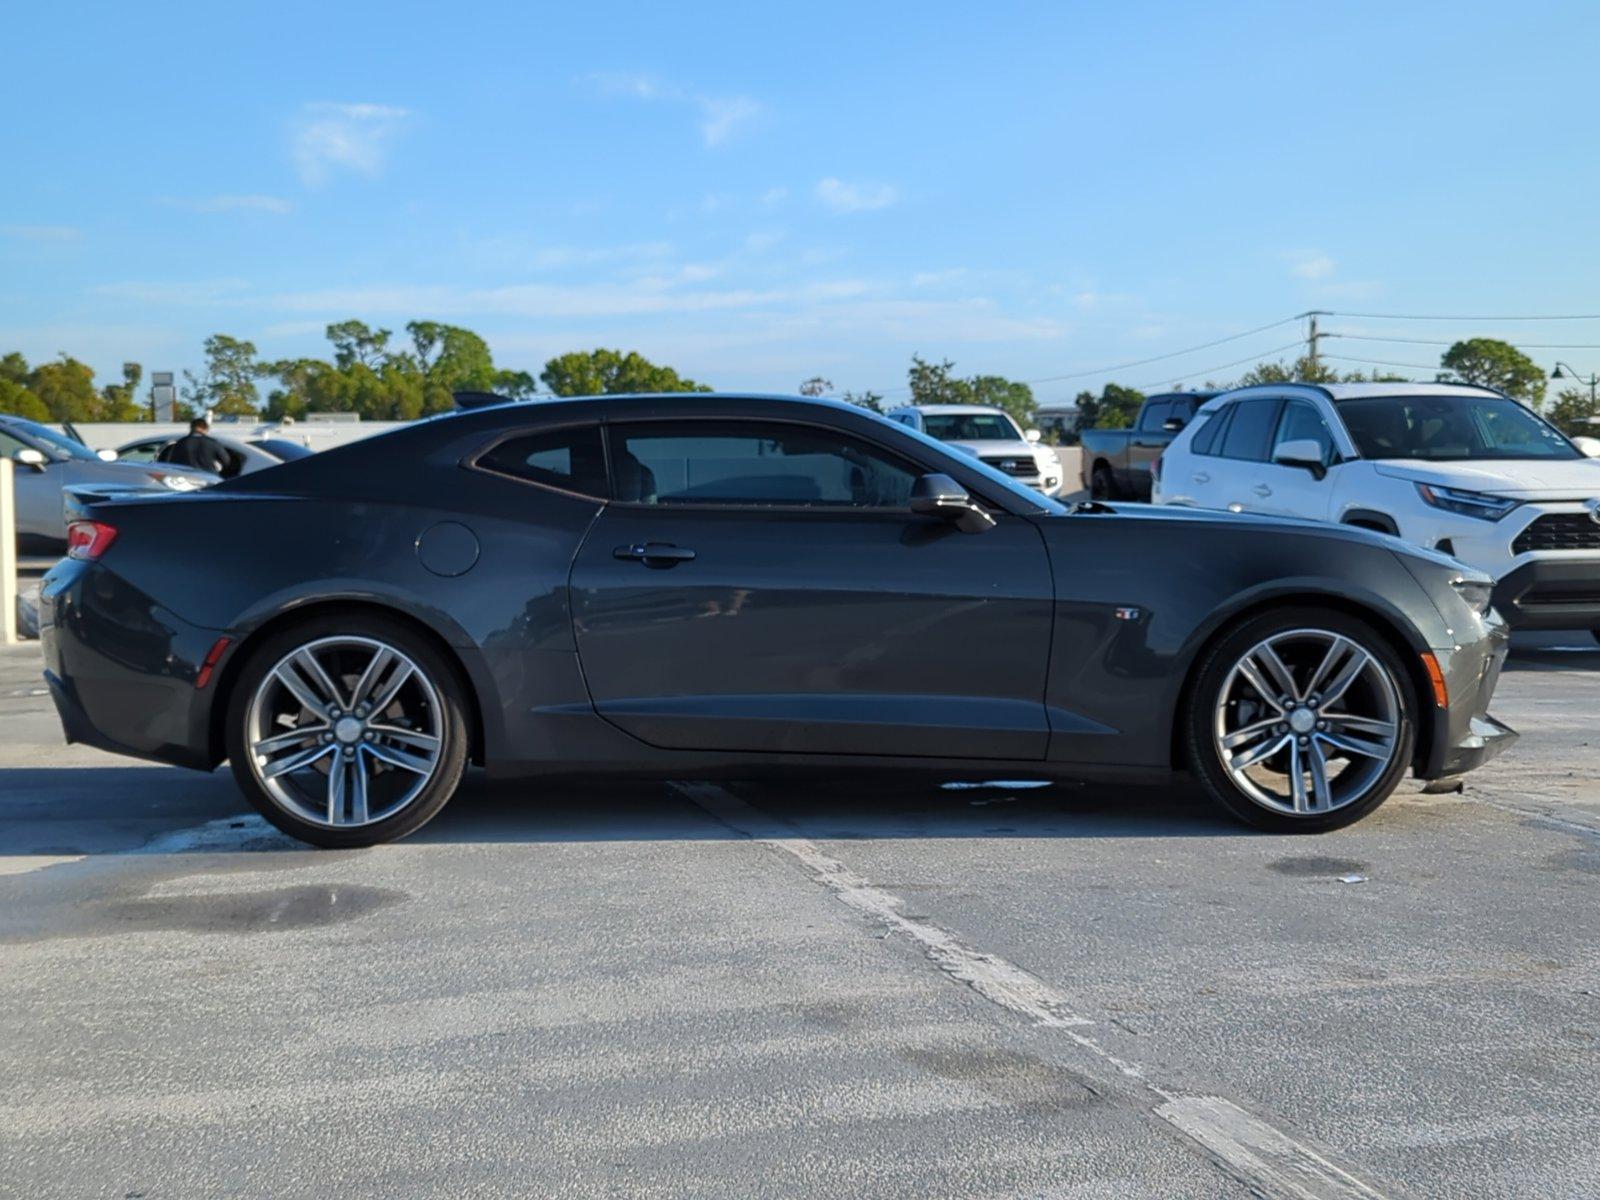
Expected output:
(466, 400)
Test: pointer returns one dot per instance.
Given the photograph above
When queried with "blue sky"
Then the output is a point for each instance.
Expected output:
(756, 194)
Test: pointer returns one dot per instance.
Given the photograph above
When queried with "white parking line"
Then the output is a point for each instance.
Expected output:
(1253, 1150)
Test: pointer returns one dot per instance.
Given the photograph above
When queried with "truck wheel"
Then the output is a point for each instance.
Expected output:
(1300, 720)
(1102, 484)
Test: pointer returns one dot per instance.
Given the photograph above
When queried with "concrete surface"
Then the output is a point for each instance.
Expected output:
(847, 988)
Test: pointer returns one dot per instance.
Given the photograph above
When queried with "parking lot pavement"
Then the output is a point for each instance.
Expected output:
(832, 987)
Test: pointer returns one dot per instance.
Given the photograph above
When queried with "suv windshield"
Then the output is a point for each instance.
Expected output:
(971, 427)
(57, 446)
(1448, 428)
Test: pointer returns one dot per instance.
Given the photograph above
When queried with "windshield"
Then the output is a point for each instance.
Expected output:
(971, 427)
(1001, 481)
(1450, 428)
(57, 445)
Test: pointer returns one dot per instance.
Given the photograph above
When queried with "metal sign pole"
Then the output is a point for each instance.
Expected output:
(8, 554)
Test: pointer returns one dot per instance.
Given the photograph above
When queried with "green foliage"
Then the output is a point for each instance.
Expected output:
(120, 401)
(20, 402)
(1302, 370)
(1496, 364)
(872, 401)
(937, 383)
(611, 372)
(1571, 412)
(816, 386)
(66, 387)
(515, 385)
(1115, 408)
(229, 383)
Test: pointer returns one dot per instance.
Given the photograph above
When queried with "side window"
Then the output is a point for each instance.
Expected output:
(1250, 432)
(1303, 423)
(1205, 438)
(754, 462)
(1153, 416)
(142, 452)
(10, 445)
(569, 459)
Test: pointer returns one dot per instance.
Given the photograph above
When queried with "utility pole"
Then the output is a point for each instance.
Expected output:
(1312, 336)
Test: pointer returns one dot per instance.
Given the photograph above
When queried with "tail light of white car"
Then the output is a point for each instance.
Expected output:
(1155, 469)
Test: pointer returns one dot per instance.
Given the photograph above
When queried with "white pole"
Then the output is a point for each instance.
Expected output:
(8, 554)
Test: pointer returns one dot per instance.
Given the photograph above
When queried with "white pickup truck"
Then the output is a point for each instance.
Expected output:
(990, 435)
(1462, 470)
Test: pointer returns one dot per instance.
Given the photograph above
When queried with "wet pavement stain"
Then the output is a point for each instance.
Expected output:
(303, 907)
(1316, 865)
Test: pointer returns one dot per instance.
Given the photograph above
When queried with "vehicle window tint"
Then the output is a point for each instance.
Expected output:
(140, 452)
(1154, 416)
(1250, 431)
(1205, 438)
(1303, 423)
(10, 445)
(569, 459)
(749, 462)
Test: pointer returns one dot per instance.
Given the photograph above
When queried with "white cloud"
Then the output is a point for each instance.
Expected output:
(276, 205)
(721, 117)
(343, 137)
(1311, 264)
(841, 197)
(776, 195)
(42, 233)
(923, 279)
(192, 291)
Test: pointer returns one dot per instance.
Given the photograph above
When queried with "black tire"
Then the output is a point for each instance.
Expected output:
(1204, 758)
(452, 715)
(1103, 484)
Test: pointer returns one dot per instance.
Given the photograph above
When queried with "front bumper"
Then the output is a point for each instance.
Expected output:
(1548, 593)
(121, 669)
(1465, 736)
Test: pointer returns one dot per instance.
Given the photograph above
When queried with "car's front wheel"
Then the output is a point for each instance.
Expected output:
(1102, 484)
(1301, 720)
(347, 730)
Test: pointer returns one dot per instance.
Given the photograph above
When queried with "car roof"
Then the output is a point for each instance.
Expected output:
(1356, 391)
(940, 410)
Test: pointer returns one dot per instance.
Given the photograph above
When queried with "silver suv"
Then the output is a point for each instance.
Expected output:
(990, 435)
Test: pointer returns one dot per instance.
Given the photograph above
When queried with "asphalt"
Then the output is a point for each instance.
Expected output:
(846, 987)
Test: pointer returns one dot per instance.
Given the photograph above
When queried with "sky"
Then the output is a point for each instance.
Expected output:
(757, 194)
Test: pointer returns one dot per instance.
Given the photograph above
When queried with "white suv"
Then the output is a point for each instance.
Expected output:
(1463, 470)
(991, 435)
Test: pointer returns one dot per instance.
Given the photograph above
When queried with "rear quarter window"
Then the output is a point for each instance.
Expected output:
(1205, 437)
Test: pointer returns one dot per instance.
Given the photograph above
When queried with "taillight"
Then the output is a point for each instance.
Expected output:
(89, 539)
(1155, 468)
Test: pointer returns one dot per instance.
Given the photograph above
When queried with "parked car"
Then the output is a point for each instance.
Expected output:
(991, 435)
(1116, 462)
(49, 462)
(1464, 470)
(697, 583)
(255, 454)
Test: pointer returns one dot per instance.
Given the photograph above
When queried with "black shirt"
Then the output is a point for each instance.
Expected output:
(198, 450)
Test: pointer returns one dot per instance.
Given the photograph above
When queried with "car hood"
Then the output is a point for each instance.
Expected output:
(1523, 479)
(984, 449)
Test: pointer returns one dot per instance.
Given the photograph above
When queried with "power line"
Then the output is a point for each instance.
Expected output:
(1294, 345)
(1431, 317)
(1367, 337)
(1379, 362)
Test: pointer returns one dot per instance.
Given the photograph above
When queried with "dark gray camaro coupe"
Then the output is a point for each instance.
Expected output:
(694, 584)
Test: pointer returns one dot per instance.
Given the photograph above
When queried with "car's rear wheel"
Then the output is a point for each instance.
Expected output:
(1102, 484)
(1301, 720)
(347, 730)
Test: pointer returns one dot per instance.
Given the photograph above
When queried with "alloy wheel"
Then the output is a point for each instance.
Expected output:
(344, 731)
(1307, 722)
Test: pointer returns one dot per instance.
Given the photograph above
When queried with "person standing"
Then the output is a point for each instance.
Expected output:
(199, 449)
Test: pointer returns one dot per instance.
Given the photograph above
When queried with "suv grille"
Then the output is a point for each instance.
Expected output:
(1014, 464)
(1559, 531)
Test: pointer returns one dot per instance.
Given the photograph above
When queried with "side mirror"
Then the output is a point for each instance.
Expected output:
(1033, 435)
(1304, 453)
(1173, 424)
(1590, 446)
(29, 457)
(107, 455)
(942, 497)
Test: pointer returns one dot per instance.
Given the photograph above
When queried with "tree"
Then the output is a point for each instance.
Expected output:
(871, 401)
(936, 383)
(1571, 413)
(229, 383)
(1488, 362)
(67, 389)
(120, 401)
(456, 359)
(353, 342)
(816, 386)
(516, 385)
(1015, 399)
(20, 402)
(1302, 370)
(611, 372)
(1115, 408)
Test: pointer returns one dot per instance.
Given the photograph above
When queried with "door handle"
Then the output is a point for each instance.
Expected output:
(1202, 478)
(654, 554)
(1261, 489)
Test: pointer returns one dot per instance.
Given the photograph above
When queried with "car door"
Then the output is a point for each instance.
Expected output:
(1148, 440)
(1241, 449)
(1297, 491)
(38, 494)
(761, 585)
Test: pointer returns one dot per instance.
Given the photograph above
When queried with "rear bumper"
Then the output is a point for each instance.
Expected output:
(121, 669)
(1550, 594)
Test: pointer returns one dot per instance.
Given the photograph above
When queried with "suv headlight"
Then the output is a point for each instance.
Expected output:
(1467, 504)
